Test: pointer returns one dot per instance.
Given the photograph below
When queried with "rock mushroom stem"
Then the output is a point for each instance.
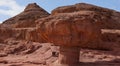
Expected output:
(69, 55)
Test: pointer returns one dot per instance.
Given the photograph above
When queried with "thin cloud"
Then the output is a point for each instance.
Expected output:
(0, 22)
(13, 7)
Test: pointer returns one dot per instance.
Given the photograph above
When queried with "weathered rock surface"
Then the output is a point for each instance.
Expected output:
(8, 34)
(70, 29)
(21, 26)
(28, 34)
(43, 57)
(34, 35)
(27, 18)
(110, 18)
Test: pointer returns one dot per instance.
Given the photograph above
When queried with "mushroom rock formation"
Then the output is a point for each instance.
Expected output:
(27, 18)
(110, 18)
(70, 31)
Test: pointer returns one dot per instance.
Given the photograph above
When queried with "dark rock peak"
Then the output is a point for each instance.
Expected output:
(33, 7)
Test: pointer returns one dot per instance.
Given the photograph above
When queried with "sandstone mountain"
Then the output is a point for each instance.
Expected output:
(26, 18)
(20, 25)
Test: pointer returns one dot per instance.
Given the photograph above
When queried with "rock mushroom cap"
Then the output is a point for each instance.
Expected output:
(70, 29)
(81, 7)
(111, 20)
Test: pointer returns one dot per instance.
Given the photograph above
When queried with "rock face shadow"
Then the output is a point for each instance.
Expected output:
(115, 62)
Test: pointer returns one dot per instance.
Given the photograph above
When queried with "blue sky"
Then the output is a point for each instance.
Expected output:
(9, 8)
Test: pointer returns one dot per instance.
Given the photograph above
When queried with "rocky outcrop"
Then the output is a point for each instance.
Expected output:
(28, 34)
(34, 35)
(27, 18)
(76, 29)
(16, 34)
(110, 21)
(4, 34)
(82, 12)
(21, 26)
(20, 47)
(71, 31)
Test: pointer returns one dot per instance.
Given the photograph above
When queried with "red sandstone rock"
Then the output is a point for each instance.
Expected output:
(26, 18)
(80, 7)
(69, 22)
(110, 18)
(34, 35)
(70, 29)
(8, 34)
(22, 23)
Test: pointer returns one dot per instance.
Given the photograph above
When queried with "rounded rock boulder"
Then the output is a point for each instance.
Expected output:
(70, 29)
